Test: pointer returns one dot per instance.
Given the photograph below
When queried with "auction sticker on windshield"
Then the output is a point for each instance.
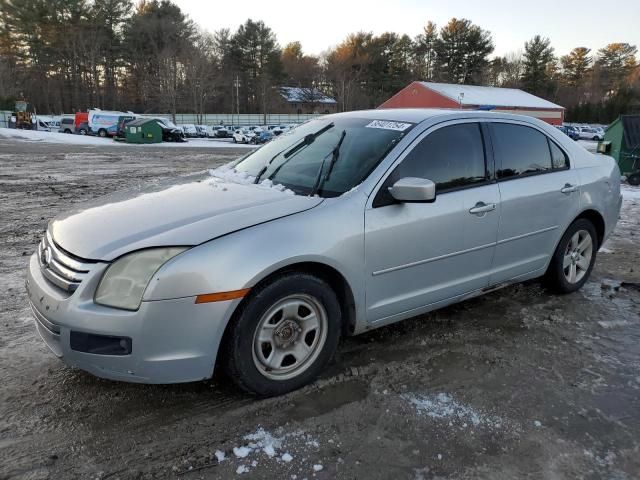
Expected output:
(388, 125)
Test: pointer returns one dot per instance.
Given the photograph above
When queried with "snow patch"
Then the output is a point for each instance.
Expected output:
(36, 136)
(444, 407)
(264, 444)
(630, 192)
(241, 452)
(317, 467)
(220, 456)
(227, 173)
(612, 323)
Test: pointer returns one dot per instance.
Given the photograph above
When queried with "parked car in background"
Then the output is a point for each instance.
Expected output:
(588, 133)
(190, 130)
(170, 131)
(262, 137)
(569, 131)
(223, 132)
(202, 131)
(243, 135)
(335, 229)
(81, 123)
(122, 123)
(67, 125)
(40, 124)
(104, 123)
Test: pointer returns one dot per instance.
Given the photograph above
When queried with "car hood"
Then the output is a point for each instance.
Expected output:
(184, 211)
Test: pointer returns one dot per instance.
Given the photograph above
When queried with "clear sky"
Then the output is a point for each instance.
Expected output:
(321, 24)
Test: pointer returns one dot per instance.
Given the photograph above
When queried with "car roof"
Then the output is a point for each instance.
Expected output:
(419, 115)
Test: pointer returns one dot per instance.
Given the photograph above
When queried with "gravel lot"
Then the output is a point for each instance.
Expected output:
(518, 383)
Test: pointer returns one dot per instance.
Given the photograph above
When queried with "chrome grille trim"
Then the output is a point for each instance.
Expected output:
(60, 268)
(51, 327)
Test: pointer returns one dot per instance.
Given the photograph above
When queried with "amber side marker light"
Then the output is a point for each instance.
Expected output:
(221, 296)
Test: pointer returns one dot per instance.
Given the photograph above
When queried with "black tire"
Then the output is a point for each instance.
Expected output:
(555, 277)
(634, 179)
(234, 140)
(102, 133)
(67, 131)
(238, 344)
(82, 131)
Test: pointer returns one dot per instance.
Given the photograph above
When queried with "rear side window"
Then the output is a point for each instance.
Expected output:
(452, 157)
(520, 150)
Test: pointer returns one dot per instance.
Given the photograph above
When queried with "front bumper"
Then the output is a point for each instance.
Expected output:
(172, 340)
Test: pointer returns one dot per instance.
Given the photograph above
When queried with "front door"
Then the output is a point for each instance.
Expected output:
(418, 254)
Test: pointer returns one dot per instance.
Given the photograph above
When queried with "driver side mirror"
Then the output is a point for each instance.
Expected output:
(413, 190)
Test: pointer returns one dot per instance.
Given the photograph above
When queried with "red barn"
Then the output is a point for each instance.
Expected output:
(472, 97)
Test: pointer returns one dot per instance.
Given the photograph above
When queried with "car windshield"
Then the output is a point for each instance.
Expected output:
(295, 158)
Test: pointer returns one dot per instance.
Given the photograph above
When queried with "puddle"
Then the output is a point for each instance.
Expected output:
(328, 399)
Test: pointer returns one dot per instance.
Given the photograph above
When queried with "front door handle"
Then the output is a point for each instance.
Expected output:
(568, 188)
(481, 208)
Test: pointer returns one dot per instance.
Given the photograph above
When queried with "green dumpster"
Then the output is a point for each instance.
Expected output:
(143, 130)
(622, 140)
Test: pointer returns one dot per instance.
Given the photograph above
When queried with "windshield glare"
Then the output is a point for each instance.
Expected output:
(365, 144)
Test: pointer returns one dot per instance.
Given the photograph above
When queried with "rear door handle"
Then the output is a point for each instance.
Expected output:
(568, 188)
(481, 208)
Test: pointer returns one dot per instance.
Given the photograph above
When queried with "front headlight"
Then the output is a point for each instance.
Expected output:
(125, 281)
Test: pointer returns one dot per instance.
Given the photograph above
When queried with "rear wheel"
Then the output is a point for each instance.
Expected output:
(102, 133)
(83, 131)
(634, 179)
(283, 336)
(574, 257)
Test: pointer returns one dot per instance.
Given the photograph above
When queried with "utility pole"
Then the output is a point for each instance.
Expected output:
(238, 97)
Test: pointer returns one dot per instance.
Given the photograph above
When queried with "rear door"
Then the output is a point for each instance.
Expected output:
(418, 254)
(539, 197)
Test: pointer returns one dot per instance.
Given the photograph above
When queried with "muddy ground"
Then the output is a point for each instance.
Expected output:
(519, 383)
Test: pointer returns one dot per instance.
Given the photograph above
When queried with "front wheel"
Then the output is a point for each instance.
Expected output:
(283, 336)
(102, 133)
(574, 257)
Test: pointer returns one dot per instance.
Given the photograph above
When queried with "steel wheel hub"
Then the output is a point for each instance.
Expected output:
(287, 333)
(289, 336)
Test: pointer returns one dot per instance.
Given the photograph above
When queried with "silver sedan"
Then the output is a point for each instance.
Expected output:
(341, 225)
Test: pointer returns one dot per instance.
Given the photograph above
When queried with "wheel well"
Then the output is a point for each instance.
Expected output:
(335, 280)
(598, 222)
(329, 274)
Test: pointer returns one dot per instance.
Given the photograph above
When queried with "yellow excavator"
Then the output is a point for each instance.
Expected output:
(23, 115)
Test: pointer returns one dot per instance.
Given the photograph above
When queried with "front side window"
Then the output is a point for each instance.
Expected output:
(452, 157)
(327, 157)
(520, 150)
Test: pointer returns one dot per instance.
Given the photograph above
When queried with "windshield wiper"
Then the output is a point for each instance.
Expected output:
(335, 153)
(307, 140)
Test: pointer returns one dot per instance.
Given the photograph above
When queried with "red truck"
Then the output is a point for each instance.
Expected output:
(81, 123)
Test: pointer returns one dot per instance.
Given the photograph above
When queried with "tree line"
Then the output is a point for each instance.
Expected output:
(70, 55)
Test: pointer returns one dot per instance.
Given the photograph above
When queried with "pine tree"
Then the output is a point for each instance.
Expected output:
(576, 66)
(462, 51)
(538, 55)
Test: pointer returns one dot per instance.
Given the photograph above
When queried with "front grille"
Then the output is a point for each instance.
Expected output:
(62, 269)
